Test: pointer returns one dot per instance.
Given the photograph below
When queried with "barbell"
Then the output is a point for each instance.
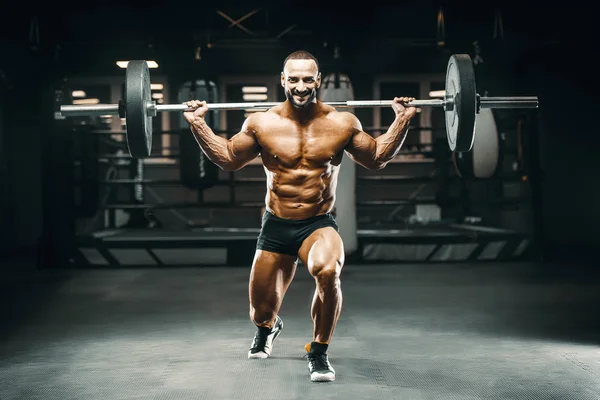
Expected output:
(461, 104)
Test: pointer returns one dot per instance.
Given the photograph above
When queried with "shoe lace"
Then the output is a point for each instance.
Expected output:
(318, 361)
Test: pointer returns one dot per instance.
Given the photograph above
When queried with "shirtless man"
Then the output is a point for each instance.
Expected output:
(301, 142)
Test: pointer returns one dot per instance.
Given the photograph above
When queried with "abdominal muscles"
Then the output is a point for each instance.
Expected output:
(301, 193)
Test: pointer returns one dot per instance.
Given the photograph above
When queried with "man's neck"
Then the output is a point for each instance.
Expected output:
(302, 113)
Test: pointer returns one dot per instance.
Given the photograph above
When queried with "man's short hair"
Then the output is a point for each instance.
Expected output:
(301, 55)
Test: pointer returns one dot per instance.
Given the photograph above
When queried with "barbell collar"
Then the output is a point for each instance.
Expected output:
(152, 109)
(121, 107)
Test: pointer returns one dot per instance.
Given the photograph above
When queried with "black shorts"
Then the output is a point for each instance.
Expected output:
(279, 235)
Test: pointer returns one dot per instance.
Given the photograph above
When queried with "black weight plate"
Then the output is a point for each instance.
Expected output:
(137, 99)
(460, 88)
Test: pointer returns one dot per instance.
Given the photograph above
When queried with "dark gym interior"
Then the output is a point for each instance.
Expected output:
(127, 278)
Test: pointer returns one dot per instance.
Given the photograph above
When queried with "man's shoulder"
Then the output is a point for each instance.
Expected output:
(261, 120)
(343, 117)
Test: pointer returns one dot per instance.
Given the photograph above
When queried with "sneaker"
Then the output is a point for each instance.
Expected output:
(319, 368)
(262, 345)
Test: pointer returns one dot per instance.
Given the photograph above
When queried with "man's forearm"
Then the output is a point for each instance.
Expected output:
(389, 144)
(215, 147)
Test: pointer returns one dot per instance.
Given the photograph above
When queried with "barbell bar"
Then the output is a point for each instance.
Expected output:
(461, 104)
(113, 109)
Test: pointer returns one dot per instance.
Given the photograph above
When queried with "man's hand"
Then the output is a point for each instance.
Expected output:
(200, 110)
(402, 109)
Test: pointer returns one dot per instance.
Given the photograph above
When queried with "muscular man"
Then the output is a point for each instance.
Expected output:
(301, 142)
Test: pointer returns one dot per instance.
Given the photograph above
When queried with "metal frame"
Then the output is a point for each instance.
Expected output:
(239, 244)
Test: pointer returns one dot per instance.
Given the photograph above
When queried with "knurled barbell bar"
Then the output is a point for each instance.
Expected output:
(461, 104)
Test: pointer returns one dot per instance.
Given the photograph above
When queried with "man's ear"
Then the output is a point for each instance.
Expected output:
(282, 79)
(319, 80)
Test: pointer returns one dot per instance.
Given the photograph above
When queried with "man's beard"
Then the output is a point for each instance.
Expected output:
(312, 94)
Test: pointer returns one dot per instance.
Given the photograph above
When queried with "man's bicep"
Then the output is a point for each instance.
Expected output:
(243, 146)
(362, 149)
(243, 143)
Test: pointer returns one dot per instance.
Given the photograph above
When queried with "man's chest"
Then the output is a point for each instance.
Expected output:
(293, 145)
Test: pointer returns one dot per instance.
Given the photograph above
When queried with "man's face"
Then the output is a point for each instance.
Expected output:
(300, 80)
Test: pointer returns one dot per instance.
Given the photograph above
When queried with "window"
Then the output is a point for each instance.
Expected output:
(243, 93)
(418, 86)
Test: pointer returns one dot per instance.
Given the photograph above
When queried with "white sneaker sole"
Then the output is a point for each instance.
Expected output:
(318, 377)
(260, 354)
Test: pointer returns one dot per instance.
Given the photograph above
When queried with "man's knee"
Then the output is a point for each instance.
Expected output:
(326, 272)
(324, 262)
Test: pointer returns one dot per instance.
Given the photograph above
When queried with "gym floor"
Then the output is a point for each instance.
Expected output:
(442, 331)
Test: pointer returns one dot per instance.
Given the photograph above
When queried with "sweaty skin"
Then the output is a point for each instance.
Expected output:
(301, 142)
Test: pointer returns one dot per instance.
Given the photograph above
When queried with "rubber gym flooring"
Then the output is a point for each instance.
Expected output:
(442, 331)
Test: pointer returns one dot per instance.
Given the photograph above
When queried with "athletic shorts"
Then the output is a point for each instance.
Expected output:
(279, 235)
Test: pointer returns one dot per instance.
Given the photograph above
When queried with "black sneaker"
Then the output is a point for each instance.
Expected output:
(262, 345)
(319, 368)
